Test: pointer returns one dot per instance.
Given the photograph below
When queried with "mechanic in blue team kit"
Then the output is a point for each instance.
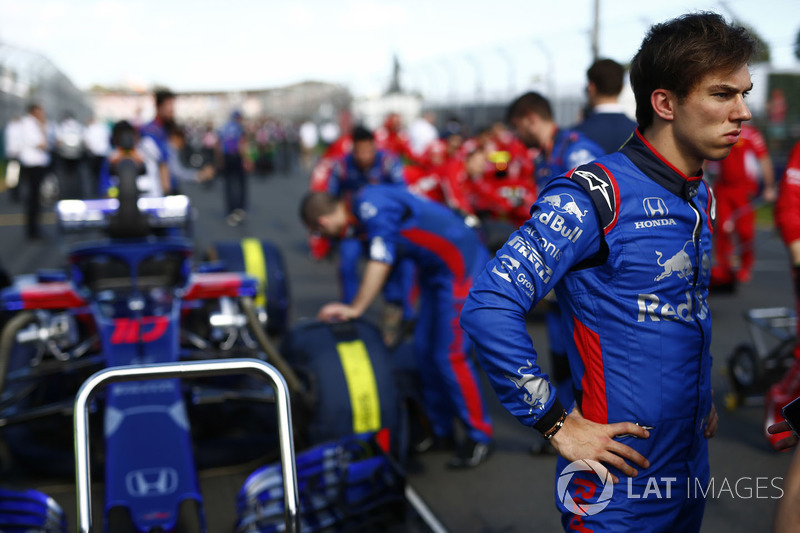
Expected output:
(156, 130)
(447, 254)
(366, 164)
(235, 165)
(559, 151)
(606, 122)
(627, 250)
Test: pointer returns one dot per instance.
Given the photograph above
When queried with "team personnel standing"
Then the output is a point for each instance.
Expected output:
(559, 151)
(606, 122)
(11, 140)
(365, 165)
(235, 165)
(34, 159)
(156, 130)
(736, 184)
(69, 150)
(787, 220)
(447, 254)
(97, 138)
(625, 241)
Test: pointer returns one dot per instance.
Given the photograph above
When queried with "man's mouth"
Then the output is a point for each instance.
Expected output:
(732, 137)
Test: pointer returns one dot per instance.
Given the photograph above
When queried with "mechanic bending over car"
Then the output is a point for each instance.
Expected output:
(447, 255)
(625, 242)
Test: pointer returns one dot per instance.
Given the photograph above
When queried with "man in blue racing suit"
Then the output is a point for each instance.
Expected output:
(365, 165)
(559, 151)
(625, 242)
(448, 255)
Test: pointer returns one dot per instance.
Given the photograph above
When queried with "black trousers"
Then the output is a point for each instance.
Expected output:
(235, 182)
(31, 179)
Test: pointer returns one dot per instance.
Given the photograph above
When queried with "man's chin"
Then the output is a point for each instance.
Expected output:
(719, 154)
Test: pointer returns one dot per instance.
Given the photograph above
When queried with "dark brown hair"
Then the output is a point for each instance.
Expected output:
(530, 102)
(316, 204)
(607, 76)
(677, 54)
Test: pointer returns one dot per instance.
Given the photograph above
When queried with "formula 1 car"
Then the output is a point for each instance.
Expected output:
(132, 299)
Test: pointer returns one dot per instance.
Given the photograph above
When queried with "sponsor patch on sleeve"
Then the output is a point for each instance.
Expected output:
(601, 186)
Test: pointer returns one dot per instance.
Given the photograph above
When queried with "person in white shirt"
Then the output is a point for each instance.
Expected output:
(97, 139)
(69, 152)
(309, 139)
(422, 133)
(11, 141)
(34, 159)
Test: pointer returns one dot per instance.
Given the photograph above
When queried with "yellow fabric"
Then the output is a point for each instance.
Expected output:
(364, 399)
(256, 266)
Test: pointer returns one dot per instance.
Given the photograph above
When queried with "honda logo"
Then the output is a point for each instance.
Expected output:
(654, 207)
(151, 482)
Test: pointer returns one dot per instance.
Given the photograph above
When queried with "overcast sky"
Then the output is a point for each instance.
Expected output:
(445, 47)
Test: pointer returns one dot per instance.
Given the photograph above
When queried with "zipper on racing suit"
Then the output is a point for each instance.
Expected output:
(696, 301)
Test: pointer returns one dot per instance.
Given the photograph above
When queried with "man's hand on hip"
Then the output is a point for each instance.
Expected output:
(583, 439)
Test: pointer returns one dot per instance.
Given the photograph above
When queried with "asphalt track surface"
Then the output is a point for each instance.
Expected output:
(514, 490)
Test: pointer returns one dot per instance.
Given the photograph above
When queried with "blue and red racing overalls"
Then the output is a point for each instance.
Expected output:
(625, 242)
(570, 150)
(448, 255)
(345, 180)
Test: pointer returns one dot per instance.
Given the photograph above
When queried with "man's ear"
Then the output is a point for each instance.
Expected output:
(591, 89)
(321, 223)
(663, 102)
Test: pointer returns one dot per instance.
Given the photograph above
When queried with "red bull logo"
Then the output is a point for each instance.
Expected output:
(565, 203)
(558, 224)
(680, 264)
(536, 389)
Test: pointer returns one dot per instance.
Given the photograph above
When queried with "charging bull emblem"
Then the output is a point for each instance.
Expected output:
(565, 203)
(537, 390)
(680, 264)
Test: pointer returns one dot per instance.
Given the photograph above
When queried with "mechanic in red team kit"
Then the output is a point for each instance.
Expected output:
(787, 220)
(736, 185)
(625, 241)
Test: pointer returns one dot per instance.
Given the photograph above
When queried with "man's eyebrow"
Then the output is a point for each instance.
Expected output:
(724, 87)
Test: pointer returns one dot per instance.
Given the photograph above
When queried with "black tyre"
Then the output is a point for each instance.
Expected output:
(264, 261)
(744, 368)
(349, 373)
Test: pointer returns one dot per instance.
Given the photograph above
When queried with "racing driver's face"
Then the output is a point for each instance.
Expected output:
(708, 121)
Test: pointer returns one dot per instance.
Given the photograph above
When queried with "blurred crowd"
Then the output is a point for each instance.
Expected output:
(50, 158)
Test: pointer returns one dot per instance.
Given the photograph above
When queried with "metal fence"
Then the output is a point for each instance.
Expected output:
(27, 76)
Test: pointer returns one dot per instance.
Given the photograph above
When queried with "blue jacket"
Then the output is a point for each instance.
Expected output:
(399, 224)
(230, 137)
(608, 130)
(346, 177)
(570, 149)
(626, 244)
